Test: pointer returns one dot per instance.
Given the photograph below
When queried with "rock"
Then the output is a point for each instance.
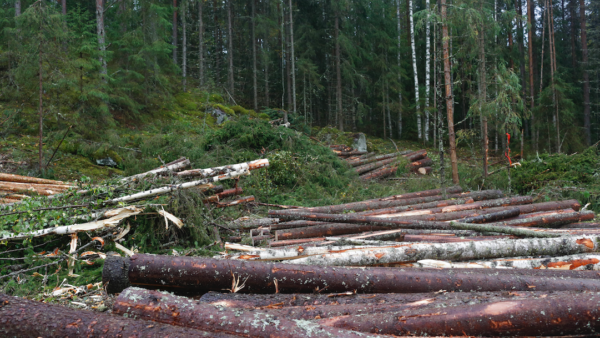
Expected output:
(108, 162)
(360, 142)
(220, 115)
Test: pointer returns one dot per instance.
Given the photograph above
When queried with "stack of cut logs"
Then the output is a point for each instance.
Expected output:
(431, 263)
(14, 188)
(372, 166)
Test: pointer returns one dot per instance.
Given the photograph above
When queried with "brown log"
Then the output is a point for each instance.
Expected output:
(42, 189)
(27, 179)
(526, 207)
(424, 171)
(238, 201)
(416, 156)
(282, 300)
(230, 192)
(493, 216)
(372, 166)
(363, 161)
(448, 206)
(547, 315)
(252, 223)
(325, 229)
(25, 318)
(200, 274)
(581, 226)
(169, 309)
(294, 224)
(423, 193)
(542, 213)
(551, 221)
(350, 153)
(393, 202)
(257, 239)
(414, 166)
(382, 172)
(296, 242)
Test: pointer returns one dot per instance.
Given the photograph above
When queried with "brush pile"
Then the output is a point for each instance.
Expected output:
(371, 166)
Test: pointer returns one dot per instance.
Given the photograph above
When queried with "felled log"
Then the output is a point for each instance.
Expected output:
(414, 166)
(326, 229)
(294, 224)
(25, 318)
(238, 201)
(252, 223)
(578, 225)
(382, 172)
(200, 274)
(424, 170)
(547, 315)
(171, 167)
(492, 217)
(350, 153)
(554, 220)
(460, 251)
(571, 262)
(423, 193)
(364, 161)
(391, 202)
(372, 166)
(449, 206)
(252, 165)
(27, 179)
(450, 239)
(169, 309)
(521, 202)
(296, 241)
(416, 156)
(42, 189)
(224, 194)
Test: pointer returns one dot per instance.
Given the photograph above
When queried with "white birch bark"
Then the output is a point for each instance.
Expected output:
(101, 39)
(240, 247)
(252, 165)
(399, 72)
(414, 62)
(427, 71)
(460, 251)
(116, 216)
(205, 183)
(173, 167)
(570, 262)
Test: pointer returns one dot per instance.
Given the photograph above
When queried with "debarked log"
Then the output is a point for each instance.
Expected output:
(460, 251)
(25, 318)
(200, 274)
(387, 203)
(169, 309)
(551, 315)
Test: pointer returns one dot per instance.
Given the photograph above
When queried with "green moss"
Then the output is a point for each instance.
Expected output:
(264, 116)
(216, 98)
(226, 110)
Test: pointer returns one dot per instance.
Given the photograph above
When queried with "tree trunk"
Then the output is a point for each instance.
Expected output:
(483, 96)
(586, 76)
(27, 318)
(184, 43)
(414, 63)
(201, 42)
(572, 33)
(449, 95)
(292, 61)
(427, 71)
(399, 72)
(230, 48)
(101, 39)
(17, 8)
(41, 108)
(530, 8)
(254, 78)
(64, 7)
(340, 114)
(174, 34)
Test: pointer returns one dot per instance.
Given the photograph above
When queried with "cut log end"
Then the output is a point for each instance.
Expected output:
(115, 274)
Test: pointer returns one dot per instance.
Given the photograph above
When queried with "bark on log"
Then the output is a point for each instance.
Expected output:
(382, 172)
(450, 239)
(360, 162)
(326, 229)
(25, 318)
(460, 251)
(166, 308)
(42, 189)
(115, 274)
(199, 274)
(424, 171)
(372, 166)
(414, 166)
(171, 167)
(581, 226)
(295, 241)
(551, 221)
(388, 203)
(423, 193)
(27, 179)
(550, 315)
(525, 206)
(253, 223)
(294, 224)
(416, 156)
(492, 217)
(542, 213)
(571, 262)
(230, 192)
(238, 201)
(349, 153)
(252, 165)
(423, 207)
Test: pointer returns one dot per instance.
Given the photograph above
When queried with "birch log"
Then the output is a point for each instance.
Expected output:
(205, 183)
(252, 165)
(26, 318)
(460, 251)
(571, 262)
(165, 308)
(115, 217)
(175, 166)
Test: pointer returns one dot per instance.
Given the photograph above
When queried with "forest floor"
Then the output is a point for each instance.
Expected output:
(303, 172)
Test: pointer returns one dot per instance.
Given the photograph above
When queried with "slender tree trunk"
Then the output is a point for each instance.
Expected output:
(230, 48)
(387, 104)
(184, 44)
(219, 45)
(254, 78)
(266, 65)
(41, 111)
(201, 42)
(542, 58)
(340, 115)
(174, 37)
(435, 84)
(551, 37)
(64, 6)
(101, 39)
(292, 56)
(449, 95)
(414, 62)
(17, 8)
(572, 31)
(427, 72)
(521, 43)
(530, 9)
(586, 76)
(483, 95)
(288, 71)
(399, 72)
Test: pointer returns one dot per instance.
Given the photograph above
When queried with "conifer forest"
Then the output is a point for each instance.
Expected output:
(299, 168)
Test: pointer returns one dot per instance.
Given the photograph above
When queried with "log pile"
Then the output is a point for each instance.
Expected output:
(14, 188)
